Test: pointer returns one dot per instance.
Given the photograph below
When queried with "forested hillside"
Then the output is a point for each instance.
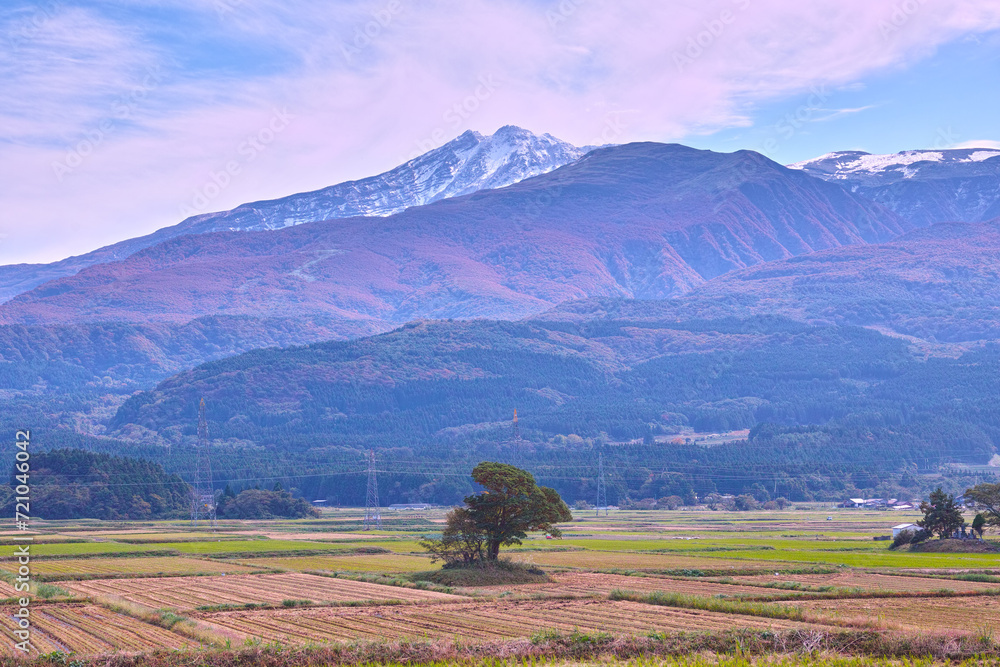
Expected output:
(830, 407)
(76, 484)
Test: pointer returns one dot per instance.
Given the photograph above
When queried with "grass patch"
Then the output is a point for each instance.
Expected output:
(502, 572)
(722, 605)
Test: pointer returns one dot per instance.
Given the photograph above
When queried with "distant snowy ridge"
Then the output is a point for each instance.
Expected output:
(844, 164)
(923, 186)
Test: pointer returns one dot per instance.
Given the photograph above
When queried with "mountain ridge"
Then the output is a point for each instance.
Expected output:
(643, 220)
(465, 164)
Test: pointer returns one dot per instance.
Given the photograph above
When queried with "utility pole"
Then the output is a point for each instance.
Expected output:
(373, 513)
(202, 493)
(602, 491)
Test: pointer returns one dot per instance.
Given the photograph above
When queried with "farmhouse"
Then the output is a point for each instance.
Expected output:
(896, 530)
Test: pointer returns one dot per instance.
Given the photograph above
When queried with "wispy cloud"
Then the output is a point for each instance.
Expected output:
(832, 114)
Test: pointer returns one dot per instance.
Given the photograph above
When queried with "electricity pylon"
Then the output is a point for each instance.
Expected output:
(602, 492)
(202, 492)
(373, 513)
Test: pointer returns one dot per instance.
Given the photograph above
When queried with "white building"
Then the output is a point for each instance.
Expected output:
(896, 530)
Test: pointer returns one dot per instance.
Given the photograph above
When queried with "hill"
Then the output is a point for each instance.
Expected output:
(76, 484)
(827, 405)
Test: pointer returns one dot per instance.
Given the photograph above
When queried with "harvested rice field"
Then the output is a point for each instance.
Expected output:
(602, 560)
(381, 563)
(188, 593)
(474, 621)
(586, 584)
(870, 581)
(966, 615)
(87, 629)
(56, 569)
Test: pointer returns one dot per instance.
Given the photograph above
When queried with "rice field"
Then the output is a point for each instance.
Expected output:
(475, 621)
(972, 615)
(602, 560)
(376, 563)
(588, 584)
(221, 546)
(189, 593)
(88, 629)
(871, 581)
(69, 568)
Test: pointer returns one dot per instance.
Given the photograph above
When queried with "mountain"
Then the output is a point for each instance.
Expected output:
(939, 285)
(924, 187)
(466, 164)
(640, 221)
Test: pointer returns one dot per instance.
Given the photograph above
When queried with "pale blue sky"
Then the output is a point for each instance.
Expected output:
(115, 115)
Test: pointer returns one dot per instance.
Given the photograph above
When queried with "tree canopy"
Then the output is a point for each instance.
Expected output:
(512, 505)
(987, 498)
(942, 515)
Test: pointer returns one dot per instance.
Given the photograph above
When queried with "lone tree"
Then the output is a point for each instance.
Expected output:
(979, 524)
(987, 499)
(942, 515)
(511, 506)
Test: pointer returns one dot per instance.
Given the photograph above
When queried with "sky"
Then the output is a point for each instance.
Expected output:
(118, 118)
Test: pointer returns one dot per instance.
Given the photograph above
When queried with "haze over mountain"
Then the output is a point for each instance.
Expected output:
(466, 164)
(924, 187)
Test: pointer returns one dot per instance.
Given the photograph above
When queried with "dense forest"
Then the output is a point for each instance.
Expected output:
(75, 484)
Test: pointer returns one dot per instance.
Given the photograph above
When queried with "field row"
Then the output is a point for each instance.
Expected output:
(153, 565)
(188, 593)
(586, 584)
(972, 615)
(380, 563)
(474, 621)
(871, 581)
(87, 629)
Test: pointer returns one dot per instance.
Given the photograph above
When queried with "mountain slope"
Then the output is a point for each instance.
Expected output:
(924, 187)
(466, 164)
(940, 284)
(642, 220)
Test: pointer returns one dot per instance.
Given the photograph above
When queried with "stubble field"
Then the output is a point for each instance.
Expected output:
(631, 574)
